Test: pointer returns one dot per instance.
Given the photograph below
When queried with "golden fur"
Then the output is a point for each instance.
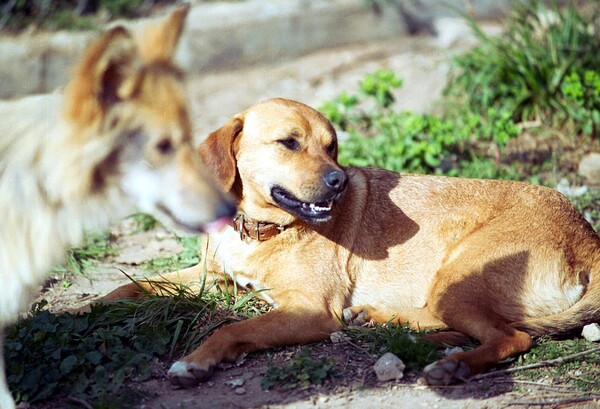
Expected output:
(117, 139)
(498, 261)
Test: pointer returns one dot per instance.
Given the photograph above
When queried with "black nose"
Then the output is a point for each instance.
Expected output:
(226, 209)
(335, 179)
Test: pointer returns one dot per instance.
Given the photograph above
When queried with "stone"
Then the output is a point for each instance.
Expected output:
(589, 168)
(235, 383)
(591, 332)
(389, 367)
(338, 337)
(451, 351)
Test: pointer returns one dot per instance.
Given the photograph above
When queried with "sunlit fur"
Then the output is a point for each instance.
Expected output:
(117, 139)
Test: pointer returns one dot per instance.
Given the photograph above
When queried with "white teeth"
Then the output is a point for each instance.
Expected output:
(314, 207)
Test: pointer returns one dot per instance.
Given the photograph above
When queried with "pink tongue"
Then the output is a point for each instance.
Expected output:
(217, 225)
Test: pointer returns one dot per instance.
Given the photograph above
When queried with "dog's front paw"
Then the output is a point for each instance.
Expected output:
(445, 372)
(356, 316)
(187, 374)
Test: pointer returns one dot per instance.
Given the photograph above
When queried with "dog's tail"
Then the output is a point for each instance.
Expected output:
(583, 312)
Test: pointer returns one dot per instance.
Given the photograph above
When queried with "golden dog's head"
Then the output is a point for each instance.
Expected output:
(279, 158)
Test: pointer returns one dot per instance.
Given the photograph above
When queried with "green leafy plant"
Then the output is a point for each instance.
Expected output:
(97, 245)
(144, 222)
(588, 205)
(581, 373)
(93, 355)
(403, 141)
(303, 370)
(582, 95)
(523, 70)
(187, 257)
(410, 346)
(46, 352)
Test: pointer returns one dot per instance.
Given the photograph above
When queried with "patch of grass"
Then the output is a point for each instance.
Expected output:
(410, 346)
(91, 356)
(588, 205)
(187, 257)
(97, 245)
(407, 142)
(144, 222)
(523, 70)
(301, 371)
(581, 373)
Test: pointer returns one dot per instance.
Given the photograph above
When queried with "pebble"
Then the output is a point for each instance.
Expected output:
(338, 337)
(239, 391)
(234, 383)
(589, 168)
(450, 351)
(591, 332)
(566, 189)
(389, 367)
(236, 372)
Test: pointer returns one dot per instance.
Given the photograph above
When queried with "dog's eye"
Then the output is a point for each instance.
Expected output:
(290, 143)
(331, 147)
(165, 146)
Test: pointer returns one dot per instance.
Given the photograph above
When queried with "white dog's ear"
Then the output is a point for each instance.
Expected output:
(100, 76)
(217, 152)
(158, 42)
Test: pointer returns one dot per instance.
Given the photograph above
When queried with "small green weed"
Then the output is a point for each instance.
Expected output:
(583, 101)
(144, 222)
(581, 372)
(523, 70)
(97, 245)
(92, 355)
(410, 346)
(187, 257)
(303, 370)
(588, 205)
(408, 142)
(47, 352)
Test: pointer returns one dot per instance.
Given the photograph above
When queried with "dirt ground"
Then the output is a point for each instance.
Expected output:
(422, 62)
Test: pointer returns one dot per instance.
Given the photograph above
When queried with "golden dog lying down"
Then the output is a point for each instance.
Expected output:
(499, 261)
(118, 138)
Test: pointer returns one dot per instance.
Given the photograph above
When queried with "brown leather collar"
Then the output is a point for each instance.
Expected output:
(255, 230)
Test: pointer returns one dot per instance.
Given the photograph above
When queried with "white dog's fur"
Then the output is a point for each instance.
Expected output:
(117, 139)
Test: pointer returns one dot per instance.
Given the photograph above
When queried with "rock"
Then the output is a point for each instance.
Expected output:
(239, 391)
(451, 351)
(589, 168)
(338, 337)
(572, 191)
(389, 367)
(591, 332)
(235, 383)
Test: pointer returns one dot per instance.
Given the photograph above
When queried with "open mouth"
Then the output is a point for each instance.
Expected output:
(312, 212)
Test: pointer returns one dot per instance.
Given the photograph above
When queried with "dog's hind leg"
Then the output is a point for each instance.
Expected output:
(498, 342)
(468, 303)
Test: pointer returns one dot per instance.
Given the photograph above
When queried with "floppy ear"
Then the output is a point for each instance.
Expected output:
(159, 41)
(217, 153)
(101, 76)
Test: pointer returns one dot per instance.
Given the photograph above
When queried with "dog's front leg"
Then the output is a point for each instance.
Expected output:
(275, 328)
